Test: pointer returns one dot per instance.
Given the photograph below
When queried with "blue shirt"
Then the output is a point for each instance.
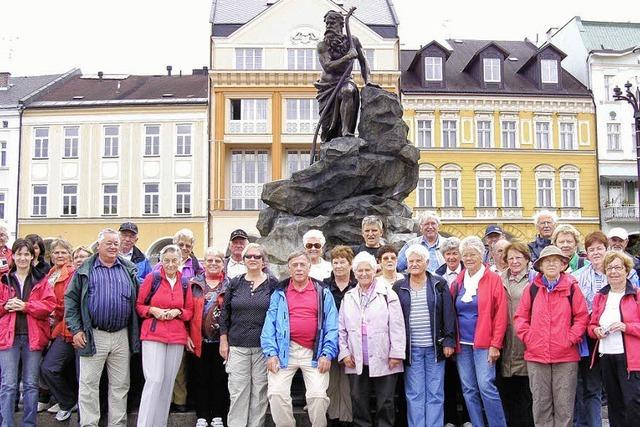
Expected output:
(109, 296)
(550, 284)
(467, 317)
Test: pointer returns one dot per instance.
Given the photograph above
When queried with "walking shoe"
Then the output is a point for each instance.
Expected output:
(201, 422)
(42, 406)
(217, 422)
(54, 409)
(63, 415)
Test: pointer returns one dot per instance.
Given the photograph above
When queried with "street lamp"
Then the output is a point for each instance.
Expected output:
(634, 100)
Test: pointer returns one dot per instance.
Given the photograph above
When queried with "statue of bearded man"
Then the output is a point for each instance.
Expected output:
(335, 58)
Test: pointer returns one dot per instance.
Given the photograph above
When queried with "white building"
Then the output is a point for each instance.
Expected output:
(603, 55)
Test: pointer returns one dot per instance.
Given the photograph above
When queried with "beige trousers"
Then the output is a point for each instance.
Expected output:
(247, 370)
(180, 387)
(339, 393)
(553, 388)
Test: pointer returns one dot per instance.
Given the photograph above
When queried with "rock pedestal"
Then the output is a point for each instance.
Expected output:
(355, 176)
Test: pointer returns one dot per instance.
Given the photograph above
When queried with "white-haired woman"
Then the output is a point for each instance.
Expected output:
(313, 241)
(165, 302)
(372, 343)
(481, 311)
(429, 321)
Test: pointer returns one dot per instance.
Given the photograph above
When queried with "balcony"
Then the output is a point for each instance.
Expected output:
(622, 213)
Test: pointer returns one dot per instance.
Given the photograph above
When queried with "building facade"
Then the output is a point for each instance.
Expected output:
(504, 132)
(263, 110)
(104, 149)
(604, 55)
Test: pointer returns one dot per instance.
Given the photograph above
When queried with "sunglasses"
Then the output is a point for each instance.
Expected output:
(253, 256)
(313, 245)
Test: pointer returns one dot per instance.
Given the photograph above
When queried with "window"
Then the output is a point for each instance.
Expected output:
(424, 133)
(491, 70)
(302, 115)
(3, 154)
(433, 68)
(297, 160)
(3, 204)
(183, 198)
(110, 199)
(545, 192)
(485, 192)
(183, 140)
(569, 193)
(509, 134)
(41, 143)
(484, 133)
(70, 200)
(449, 134)
(613, 137)
(368, 54)
(248, 116)
(543, 141)
(510, 188)
(567, 136)
(111, 141)
(71, 137)
(549, 70)
(248, 174)
(151, 198)
(608, 88)
(39, 207)
(425, 193)
(451, 192)
(302, 59)
(248, 59)
(152, 140)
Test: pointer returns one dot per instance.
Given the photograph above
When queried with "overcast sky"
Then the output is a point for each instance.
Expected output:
(144, 36)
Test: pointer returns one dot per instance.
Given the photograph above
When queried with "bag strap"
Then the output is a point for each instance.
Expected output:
(155, 284)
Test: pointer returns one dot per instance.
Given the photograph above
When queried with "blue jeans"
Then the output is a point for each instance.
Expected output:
(9, 360)
(478, 380)
(424, 388)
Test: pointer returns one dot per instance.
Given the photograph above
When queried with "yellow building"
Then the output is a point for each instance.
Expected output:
(263, 110)
(101, 150)
(504, 132)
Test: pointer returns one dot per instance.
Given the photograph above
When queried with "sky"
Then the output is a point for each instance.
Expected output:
(144, 36)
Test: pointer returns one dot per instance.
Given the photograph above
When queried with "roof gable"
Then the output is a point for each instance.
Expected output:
(541, 51)
(430, 45)
(475, 57)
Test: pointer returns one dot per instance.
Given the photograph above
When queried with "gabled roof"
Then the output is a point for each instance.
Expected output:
(609, 36)
(482, 49)
(229, 15)
(22, 88)
(543, 48)
(447, 51)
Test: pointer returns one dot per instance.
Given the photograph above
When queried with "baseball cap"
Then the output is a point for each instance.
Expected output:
(618, 232)
(238, 233)
(492, 229)
(129, 226)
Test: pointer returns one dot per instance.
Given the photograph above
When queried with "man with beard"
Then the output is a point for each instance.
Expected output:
(335, 57)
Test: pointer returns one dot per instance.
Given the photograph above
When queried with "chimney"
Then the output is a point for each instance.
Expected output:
(4, 80)
(100, 74)
(551, 32)
(169, 68)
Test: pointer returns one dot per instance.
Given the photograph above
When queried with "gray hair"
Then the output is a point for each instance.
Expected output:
(169, 249)
(311, 234)
(4, 227)
(257, 247)
(372, 219)
(545, 212)
(365, 257)
(63, 244)
(297, 254)
(449, 244)
(417, 249)
(185, 233)
(473, 242)
(215, 252)
(428, 215)
(103, 233)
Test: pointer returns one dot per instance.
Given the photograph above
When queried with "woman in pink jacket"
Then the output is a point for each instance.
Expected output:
(372, 343)
(26, 301)
(165, 302)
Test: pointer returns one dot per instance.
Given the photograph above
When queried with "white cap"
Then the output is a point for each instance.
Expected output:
(618, 232)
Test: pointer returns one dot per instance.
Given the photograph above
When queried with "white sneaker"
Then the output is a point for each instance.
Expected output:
(217, 422)
(42, 406)
(449, 425)
(54, 409)
(201, 422)
(467, 424)
(63, 415)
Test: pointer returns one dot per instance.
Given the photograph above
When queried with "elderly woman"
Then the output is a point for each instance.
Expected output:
(567, 238)
(208, 291)
(165, 302)
(550, 320)
(387, 258)
(372, 343)
(313, 242)
(615, 322)
(58, 366)
(339, 283)
(26, 301)
(481, 310)
(244, 309)
(80, 255)
(429, 321)
(39, 262)
(514, 382)
(453, 265)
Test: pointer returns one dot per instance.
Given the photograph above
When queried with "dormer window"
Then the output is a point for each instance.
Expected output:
(433, 68)
(491, 68)
(549, 70)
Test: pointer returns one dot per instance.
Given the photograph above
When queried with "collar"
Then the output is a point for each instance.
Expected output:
(308, 287)
(517, 277)
(436, 245)
(456, 271)
(98, 263)
(234, 262)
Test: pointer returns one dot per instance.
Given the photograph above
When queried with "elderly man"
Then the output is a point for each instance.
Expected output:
(129, 251)
(300, 332)
(430, 239)
(313, 241)
(100, 312)
(371, 234)
(492, 234)
(234, 264)
(618, 239)
(545, 222)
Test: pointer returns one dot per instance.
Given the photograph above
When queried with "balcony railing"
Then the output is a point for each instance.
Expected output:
(623, 213)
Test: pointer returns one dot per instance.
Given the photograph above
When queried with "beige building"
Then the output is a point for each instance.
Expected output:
(103, 149)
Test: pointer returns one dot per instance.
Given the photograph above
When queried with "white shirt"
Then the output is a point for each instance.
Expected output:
(235, 268)
(128, 255)
(389, 283)
(451, 275)
(172, 281)
(612, 343)
(321, 270)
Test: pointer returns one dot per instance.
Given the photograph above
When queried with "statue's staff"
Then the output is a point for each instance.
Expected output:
(344, 76)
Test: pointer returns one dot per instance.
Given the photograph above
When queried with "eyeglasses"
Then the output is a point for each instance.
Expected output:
(253, 256)
(545, 223)
(616, 268)
(185, 245)
(313, 245)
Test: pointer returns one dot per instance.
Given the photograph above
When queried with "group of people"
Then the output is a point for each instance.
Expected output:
(514, 334)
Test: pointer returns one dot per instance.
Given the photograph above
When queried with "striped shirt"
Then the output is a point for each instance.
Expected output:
(419, 321)
(109, 295)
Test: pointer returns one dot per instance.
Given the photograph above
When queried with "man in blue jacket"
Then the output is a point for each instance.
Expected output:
(300, 332)
(129, 251)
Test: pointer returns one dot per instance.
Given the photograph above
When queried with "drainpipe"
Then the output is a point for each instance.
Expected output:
(18, 198)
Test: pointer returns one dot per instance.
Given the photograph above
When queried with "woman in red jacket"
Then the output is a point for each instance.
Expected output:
(551, 320)
(26, 301)
(165, 302)
(615, 322)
